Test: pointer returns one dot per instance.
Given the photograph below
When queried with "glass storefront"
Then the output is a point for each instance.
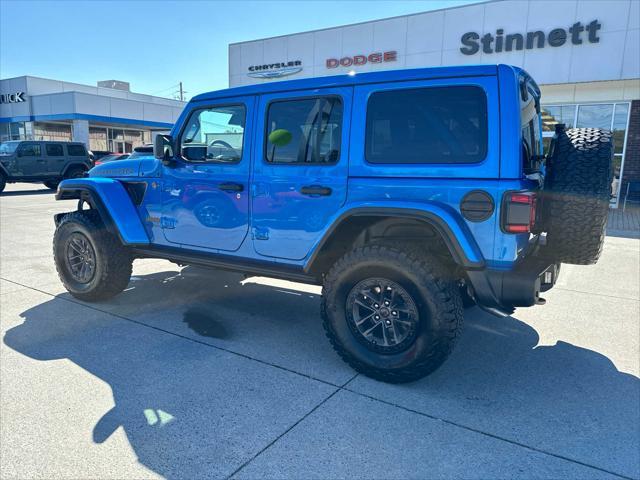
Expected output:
(100, 138)
(610, 116)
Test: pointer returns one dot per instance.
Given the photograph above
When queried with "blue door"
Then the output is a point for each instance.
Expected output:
(300, 172)
(205, 198)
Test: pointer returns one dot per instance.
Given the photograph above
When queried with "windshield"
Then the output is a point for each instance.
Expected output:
(7, 148)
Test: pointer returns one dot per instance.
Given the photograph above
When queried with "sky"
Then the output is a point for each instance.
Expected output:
(156, 44)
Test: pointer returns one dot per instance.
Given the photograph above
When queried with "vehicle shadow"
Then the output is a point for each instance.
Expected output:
(183, 412)
(22, 193)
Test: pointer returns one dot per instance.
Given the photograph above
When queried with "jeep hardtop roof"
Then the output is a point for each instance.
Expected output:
(357, 79)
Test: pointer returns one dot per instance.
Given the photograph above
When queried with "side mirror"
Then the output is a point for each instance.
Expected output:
(163, 148)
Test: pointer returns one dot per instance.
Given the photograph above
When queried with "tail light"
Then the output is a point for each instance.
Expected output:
(97, 162)
(519, 212)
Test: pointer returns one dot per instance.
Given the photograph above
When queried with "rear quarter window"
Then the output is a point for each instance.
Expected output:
(76, 150)
(445, 125)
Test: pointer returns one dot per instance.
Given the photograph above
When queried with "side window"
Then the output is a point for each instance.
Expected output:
(304, 131)
(30, 150)
(54, 150)
(427, 125)
(214, 134)
(76, 150)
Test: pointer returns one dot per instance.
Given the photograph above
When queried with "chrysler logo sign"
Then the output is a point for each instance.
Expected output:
(17, 97)
(275, 70)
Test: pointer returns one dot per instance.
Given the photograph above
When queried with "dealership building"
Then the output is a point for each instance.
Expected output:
(107, 116)
(584, 54)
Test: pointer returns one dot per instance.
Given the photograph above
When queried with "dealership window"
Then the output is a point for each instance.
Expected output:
(610, 116)
(427, 125)
(51, 131)
(304, 131)
(98, 139)
(13, 131)
(214, 134)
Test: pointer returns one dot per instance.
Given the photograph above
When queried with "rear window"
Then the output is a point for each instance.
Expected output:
(54, 150)
(76, 150)
(427, 125)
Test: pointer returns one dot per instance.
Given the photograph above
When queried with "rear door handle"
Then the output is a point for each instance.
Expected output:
(316, 190)
(231, 187)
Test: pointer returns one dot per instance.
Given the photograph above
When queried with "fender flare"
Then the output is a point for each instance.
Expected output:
(69, 166)
(455, 234)
(4, 172)
(110, 198)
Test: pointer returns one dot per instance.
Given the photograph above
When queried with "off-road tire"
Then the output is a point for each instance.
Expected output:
(577, 192)
(3, 182)
(113, 262)
(434, 292)
(51, 184)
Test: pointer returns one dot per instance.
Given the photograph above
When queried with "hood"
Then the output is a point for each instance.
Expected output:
(137, 167)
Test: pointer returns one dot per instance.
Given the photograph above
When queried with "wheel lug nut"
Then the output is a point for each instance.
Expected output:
(386, 303)
(394, 313)
(377, 317)
(376, 305)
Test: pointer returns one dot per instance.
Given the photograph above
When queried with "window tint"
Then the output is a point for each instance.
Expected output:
(427, 125)
(304, 131)
(54, 150)
(76, 150)
(30, 150)
(214, 134)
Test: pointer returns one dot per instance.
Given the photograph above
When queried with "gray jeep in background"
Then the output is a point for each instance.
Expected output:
(42, 162)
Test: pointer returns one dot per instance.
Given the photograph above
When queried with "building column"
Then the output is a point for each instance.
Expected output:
(80, 132)
(631, 168)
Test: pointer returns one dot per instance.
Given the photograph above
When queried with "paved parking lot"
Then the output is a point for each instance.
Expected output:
(192, 373)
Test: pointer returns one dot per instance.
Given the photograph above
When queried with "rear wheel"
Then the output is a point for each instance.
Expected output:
(91, 262)
(3, 182)
(75, 172)
(391, 313)
(577, 192)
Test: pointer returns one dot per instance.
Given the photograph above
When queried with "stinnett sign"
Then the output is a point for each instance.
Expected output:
(557, 37)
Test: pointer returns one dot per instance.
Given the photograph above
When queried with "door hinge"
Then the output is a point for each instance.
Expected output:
(260, 233)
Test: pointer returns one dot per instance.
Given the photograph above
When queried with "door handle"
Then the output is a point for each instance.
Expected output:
(231, 187)
(315, 190)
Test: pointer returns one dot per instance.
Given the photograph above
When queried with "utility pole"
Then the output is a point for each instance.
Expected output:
(181, 93)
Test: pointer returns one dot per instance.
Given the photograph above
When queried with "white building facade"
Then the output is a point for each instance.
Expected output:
(108, 117)
(585, 55)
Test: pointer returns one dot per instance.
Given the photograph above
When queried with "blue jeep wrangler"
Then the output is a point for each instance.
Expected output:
(405, 194)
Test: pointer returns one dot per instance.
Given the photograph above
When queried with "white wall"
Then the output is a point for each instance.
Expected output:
(434, 39)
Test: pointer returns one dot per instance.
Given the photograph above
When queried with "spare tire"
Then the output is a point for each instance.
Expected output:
(577, 191)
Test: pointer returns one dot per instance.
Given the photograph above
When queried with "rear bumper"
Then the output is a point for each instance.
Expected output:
(503, 290)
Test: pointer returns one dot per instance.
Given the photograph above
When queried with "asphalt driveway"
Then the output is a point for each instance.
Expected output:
(198, 374)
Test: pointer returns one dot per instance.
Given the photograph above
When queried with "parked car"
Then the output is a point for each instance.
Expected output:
(42, 162)
(403, 193)
(98, 154)
(111, 158)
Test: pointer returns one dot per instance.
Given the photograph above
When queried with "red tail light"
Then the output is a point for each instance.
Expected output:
(97, 162)
(519, 212)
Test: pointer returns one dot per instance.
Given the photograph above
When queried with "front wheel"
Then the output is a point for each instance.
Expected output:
(393, 314)
(91, 262)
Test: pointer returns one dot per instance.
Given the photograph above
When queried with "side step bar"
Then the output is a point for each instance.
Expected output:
(227, 262)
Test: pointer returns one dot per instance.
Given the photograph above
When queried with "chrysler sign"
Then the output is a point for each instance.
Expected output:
(275, 70)
(17, 97)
